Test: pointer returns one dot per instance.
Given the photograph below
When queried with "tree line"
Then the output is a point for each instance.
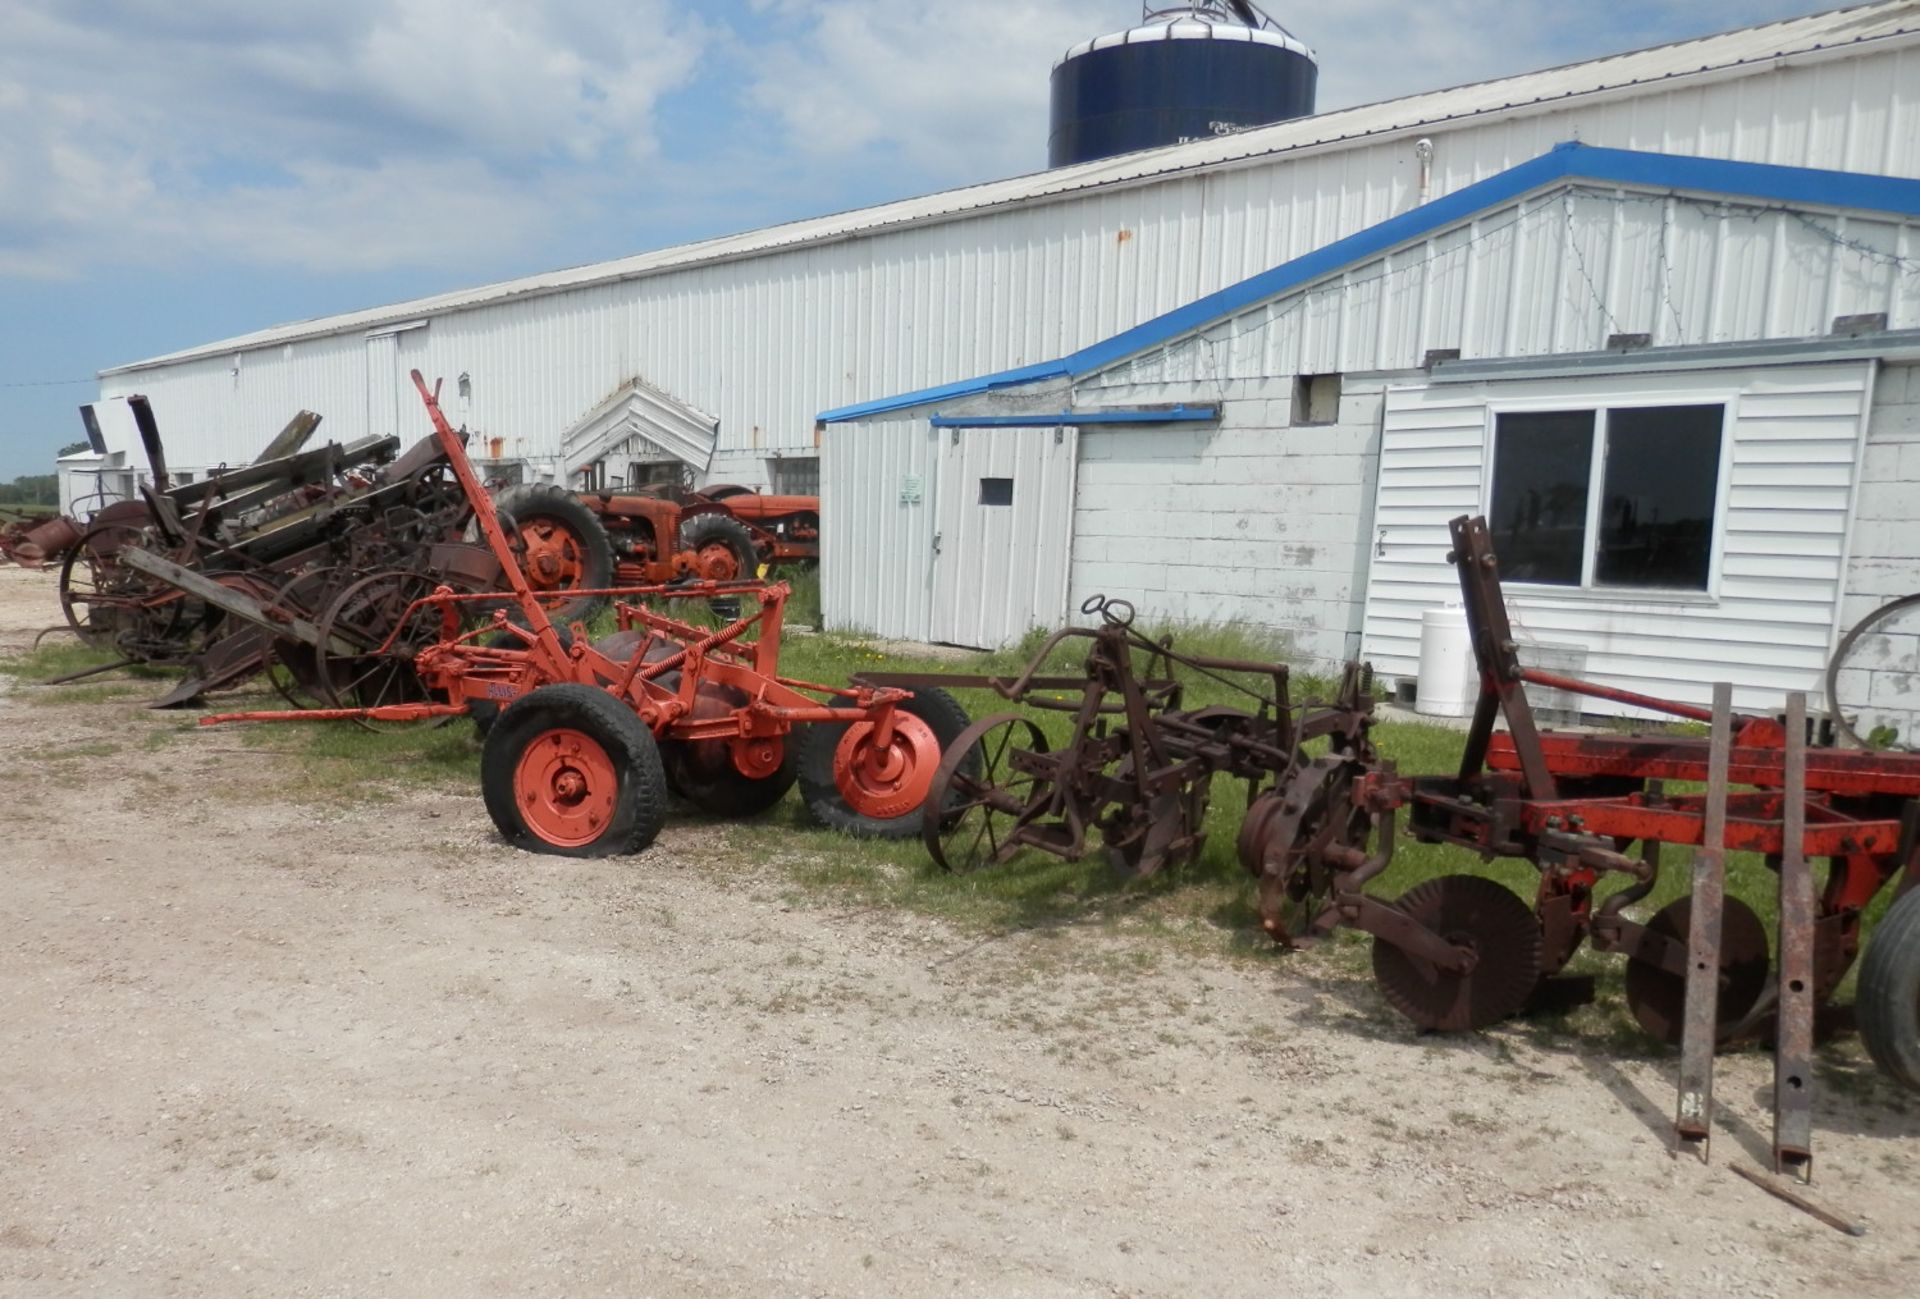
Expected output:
(37, 489)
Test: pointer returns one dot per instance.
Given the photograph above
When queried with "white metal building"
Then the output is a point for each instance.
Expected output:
(718, 354)
(1683, 390)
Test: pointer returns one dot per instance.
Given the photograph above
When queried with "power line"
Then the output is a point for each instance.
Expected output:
(49, 383)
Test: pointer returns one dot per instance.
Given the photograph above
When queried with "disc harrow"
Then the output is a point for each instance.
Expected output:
(1463, 952)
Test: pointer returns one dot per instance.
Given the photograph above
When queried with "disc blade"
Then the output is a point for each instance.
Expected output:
(1477, 913)
(1658, 999)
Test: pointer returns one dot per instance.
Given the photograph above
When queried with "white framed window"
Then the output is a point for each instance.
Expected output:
(1613, 497)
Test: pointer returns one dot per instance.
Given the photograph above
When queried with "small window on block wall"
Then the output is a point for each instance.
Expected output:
(1316, 399)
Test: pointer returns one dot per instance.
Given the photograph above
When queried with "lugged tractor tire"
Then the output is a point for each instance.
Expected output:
(544, 517)
(1888, 1003)
(717, 541)
(571, 771)
(821, 792)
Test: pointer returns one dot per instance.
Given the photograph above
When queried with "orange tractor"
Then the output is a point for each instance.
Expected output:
(598, 539)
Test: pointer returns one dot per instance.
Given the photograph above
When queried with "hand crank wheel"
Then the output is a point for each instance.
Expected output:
(1477, 913)
(986, 788)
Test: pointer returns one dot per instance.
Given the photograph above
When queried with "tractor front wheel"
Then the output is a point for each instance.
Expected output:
(572, 771)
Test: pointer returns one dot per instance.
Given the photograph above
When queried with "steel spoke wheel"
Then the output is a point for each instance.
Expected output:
(1870, 679)
(112, 606)
(1487, 918)
(1658, 997)
(369, 635)
(989, 784)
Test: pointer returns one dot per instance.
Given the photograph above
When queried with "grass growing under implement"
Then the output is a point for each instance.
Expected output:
(1206, 906)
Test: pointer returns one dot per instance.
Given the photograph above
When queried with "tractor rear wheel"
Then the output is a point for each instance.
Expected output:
(561, 545)
(570, 770)
(1888, 1004)
(821, 766)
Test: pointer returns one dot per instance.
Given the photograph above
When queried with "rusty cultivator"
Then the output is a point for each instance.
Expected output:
(1137, 766)
(583, 740)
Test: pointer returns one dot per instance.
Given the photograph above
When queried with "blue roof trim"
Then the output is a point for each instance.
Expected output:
(1076, 418)
(1764, 182)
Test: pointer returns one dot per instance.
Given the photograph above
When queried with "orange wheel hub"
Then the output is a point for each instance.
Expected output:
(757, 757)
(889, 781)
(716, 562)
(566, 787)
(553, 556)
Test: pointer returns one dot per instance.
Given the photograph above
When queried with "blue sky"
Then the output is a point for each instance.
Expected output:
(176, 171)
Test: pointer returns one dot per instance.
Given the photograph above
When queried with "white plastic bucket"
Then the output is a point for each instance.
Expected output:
(1449, 685)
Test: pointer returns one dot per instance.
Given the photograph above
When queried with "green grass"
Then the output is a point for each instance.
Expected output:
(803, 607)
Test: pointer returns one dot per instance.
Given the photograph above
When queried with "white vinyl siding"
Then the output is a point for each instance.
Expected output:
(1794, 435)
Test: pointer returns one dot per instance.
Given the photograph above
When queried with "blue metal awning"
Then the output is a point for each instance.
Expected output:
(1076, 418)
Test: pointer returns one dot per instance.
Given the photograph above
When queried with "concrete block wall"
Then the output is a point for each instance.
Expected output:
(1882, 682)
(1256, 520)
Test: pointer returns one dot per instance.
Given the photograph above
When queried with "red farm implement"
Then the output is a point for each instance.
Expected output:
(1461, 951)
(584, 739)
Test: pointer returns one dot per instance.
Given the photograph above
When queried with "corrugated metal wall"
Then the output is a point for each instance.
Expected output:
(1796, 433)
(1564, 272)
(876, 563)
(768, 341)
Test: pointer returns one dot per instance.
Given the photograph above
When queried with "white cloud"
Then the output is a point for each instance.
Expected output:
(962, 90)
(959, 89)
(462, 134)
(356, 134)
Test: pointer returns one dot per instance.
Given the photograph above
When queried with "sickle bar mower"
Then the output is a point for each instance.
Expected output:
(583, 740)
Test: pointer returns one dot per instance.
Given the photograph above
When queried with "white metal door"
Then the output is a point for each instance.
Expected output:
(1004, 532)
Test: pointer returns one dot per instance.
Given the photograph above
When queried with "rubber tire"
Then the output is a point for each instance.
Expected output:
(728, 793)
(526, 501)
(932, 705)
(640, 804)
(705, 529)
(1888, 1002)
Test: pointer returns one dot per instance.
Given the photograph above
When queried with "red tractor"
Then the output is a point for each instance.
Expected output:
(598, 539)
